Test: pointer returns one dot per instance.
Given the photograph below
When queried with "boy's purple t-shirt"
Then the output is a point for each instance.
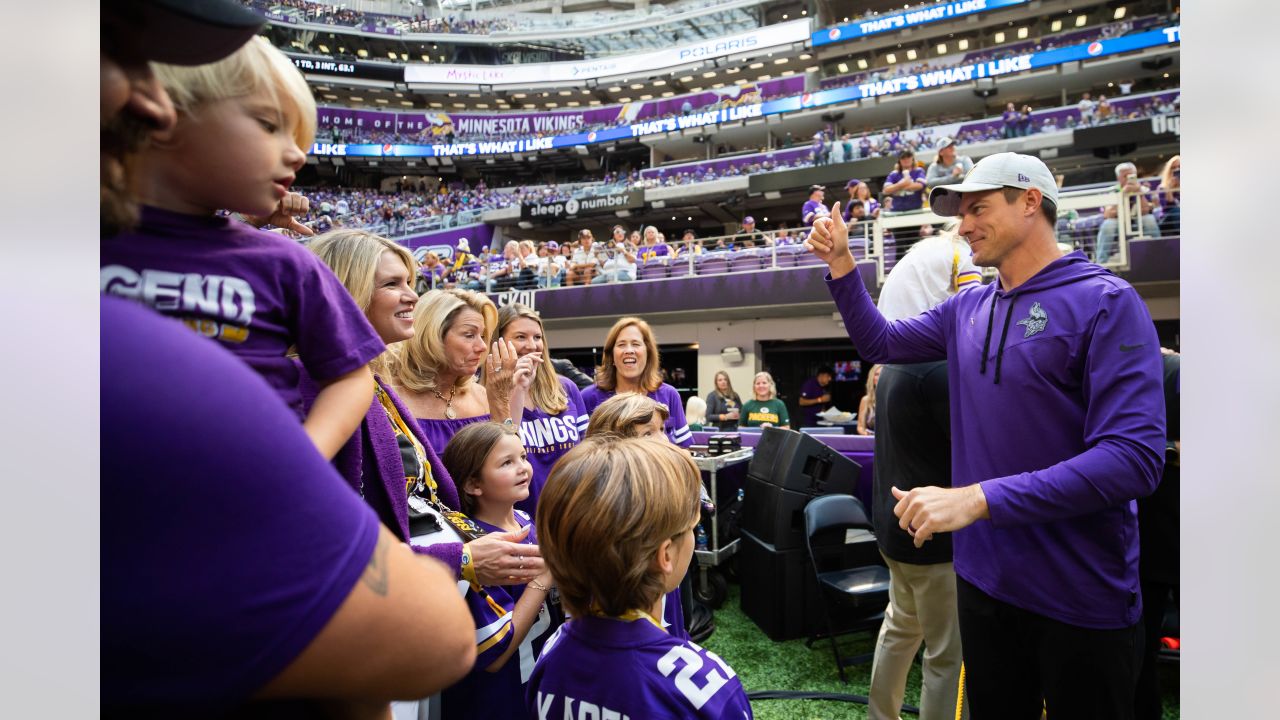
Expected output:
(913, 200)
(482, 694)
(548, 437)
(207, 542)
(676, 427)
(258, 293)
(605, 667)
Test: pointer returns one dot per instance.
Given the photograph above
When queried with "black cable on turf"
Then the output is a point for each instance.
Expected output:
(807, 695)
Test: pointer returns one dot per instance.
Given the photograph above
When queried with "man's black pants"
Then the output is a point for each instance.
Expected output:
(1018, 663)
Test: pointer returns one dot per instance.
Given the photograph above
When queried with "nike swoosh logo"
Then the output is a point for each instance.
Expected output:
(1130, 348)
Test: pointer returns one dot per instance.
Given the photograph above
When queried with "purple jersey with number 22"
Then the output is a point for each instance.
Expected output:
(609, 668)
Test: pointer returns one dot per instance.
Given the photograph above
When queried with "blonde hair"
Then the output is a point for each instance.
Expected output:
(872, 381)
(416, 363)
(773, 387)
(1166, 178)
(606, 509)
(353, 255)
(548, 394)
(624, 414)
(728, 393)
(255, 66)
(466, 453)
(607, 373)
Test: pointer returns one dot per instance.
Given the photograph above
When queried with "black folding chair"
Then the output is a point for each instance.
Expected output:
(857, 595)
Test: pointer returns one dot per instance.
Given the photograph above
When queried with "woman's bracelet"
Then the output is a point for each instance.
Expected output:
(539, 586)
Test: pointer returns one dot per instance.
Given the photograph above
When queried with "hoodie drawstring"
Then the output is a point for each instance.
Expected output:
(1003, 334)
(986, 344)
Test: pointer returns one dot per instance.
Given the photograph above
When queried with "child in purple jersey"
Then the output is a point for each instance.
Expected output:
(617, 521)
(242, 124)
(631, 364)
(493, 474)
(634, 415)
(554, 415)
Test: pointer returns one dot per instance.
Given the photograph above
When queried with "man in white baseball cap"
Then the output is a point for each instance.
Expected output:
(1057, 418)
(947, 168)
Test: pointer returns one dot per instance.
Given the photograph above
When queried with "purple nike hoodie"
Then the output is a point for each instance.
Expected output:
(1057, 409)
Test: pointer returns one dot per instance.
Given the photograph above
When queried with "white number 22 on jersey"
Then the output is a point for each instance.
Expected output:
(692, 664)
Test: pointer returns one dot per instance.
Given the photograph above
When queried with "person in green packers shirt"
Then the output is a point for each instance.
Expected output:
(765, 409)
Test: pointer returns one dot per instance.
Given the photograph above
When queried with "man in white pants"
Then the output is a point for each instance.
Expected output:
(913, 449)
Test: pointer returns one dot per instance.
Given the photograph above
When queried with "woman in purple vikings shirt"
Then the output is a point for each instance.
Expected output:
(390, 461)
(631, 364)
(554, 416)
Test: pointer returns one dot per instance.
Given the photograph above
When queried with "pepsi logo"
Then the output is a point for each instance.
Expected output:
(591, 136)
(806, 100)
(386, 149)
(1095, 47)
(834, 34)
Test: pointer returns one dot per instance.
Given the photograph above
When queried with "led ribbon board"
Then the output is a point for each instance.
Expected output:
(935, 78)
(905, 19)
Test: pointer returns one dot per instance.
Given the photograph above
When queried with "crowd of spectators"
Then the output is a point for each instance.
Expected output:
(462, 23)
(403, 208)
(353, 135)
(1051, 42)
(827, 147)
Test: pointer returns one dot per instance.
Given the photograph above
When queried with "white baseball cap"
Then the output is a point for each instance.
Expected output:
(993, 172)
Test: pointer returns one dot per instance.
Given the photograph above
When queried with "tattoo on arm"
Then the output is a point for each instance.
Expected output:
(375, 573)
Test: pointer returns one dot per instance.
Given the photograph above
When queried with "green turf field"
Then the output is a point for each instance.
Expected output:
(763, 664)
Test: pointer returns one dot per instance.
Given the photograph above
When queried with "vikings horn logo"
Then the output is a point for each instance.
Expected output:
(1035, 321)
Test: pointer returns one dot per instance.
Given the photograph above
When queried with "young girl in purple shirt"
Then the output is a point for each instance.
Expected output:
(512, 621)
(554, 416)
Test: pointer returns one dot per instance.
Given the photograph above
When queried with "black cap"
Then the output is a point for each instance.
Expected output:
(177, 32)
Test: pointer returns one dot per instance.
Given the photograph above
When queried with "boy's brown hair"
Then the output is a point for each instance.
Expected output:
(623, 414)
(607, 507)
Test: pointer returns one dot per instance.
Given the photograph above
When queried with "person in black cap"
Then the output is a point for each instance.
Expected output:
(813, 207)
(216, 590)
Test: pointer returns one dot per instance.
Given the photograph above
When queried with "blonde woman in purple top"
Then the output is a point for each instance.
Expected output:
(554, 416)
(435, 371)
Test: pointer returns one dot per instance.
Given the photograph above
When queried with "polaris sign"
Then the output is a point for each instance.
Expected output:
(717, 49)
(576, 206)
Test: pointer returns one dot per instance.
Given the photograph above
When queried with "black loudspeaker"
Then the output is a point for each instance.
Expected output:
(779, 592)
(787, 471)
(799, 461)
(774, 515)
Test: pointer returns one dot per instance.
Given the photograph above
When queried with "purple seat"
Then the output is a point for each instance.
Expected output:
(652, 271)
(787, 255)
(712, 264)
(747, 260)
(804, 257)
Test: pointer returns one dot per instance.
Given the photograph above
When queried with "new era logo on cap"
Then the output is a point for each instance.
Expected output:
(992, 173)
